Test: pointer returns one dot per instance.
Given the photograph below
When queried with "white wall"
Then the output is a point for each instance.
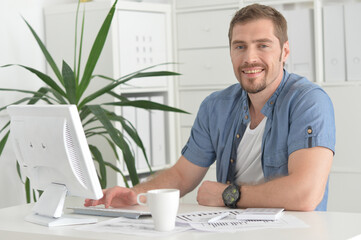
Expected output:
(345, 177)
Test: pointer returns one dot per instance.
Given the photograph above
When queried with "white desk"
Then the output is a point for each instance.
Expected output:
(323, 225)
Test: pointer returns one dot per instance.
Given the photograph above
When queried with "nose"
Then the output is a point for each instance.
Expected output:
(250, 55)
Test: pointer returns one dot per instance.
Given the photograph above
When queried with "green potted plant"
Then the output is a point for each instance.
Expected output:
(69, 87)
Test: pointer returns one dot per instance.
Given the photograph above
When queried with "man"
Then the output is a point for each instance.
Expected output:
(273, 135)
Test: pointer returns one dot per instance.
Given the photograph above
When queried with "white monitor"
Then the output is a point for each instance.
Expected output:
(51, 148)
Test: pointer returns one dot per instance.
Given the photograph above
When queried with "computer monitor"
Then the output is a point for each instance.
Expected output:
(51, 148)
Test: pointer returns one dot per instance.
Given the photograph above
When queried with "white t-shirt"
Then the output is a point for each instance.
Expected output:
(249, 153)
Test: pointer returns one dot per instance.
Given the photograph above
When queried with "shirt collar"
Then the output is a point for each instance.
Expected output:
(267, 109)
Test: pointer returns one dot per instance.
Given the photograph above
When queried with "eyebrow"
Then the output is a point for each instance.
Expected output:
(262, 40)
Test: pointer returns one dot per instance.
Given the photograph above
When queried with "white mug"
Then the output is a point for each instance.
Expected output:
(163, 205)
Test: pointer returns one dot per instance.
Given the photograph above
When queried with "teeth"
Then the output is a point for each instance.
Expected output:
(253, 71)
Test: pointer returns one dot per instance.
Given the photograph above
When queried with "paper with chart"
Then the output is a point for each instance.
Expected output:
(199, 221)
(193, 220)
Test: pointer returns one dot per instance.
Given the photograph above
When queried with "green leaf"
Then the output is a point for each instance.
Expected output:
(34, 196)
(118, 96)
(148, 74)
(99, 158)
(149, 105)
(133, 134)
(69, 83)
(115, 168)
(90, 132)
(19, 172)
(157, 74)
(80, 47)
(45, 78)
(76, 35)
(112, 145)
(84, 113)
(96, 51)
(17, 90)
(59, 98)
(39, 95)
(27, 190)
(40, 192)
(114, 84)
(89, 121)
(98, 93)
(118, 139)
(139, 74)
(15, 103)
(5, 126)
(46, 53)
(133, 73)
(3, 141)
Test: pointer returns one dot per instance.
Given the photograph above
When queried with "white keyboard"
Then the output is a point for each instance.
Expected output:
(110, 212)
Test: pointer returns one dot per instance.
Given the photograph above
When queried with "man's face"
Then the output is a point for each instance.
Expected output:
(256, 55)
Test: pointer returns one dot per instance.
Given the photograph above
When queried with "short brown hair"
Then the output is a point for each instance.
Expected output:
(257, 11)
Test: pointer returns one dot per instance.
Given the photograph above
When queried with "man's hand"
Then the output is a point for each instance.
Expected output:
(115, 197)
(210, 194)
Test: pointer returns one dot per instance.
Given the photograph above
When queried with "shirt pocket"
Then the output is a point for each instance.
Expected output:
(276, 164)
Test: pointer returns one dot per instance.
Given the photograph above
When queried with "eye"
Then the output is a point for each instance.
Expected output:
(240, 47)
(263, 46)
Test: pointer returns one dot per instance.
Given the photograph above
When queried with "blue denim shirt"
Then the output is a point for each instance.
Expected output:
(299, 115)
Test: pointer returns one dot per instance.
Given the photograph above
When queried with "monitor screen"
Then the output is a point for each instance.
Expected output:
(51, 148)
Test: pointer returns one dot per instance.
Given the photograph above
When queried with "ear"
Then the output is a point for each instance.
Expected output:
(286, 51)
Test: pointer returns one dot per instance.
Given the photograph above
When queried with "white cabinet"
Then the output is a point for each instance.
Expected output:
(352, 38)
(342, 51)
(334, 42)
(203, 54)
(203, 29)
(205, 67)
(301, 39)
(140, 36)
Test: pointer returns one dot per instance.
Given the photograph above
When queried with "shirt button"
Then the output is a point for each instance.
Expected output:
(271, 102)
(309, 131)
(237, 136)
(246, 117)
(232, 161)
(228, 182)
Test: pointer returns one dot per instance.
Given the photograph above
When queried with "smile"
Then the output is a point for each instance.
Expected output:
(252, 71)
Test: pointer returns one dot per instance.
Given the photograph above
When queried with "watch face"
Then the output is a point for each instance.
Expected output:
(231, 195)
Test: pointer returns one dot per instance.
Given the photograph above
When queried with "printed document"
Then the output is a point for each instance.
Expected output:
(193, 221)
(199, 221)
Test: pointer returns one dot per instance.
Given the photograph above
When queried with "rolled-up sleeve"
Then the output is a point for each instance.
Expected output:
(199, 149)
(312, 122)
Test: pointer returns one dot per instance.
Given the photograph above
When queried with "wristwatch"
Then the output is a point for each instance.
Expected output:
(231, 195)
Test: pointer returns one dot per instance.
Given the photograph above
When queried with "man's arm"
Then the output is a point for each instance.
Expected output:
(301, 190)
(184, 176)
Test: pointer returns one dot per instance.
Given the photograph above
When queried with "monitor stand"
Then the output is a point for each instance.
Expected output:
(48, 211)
